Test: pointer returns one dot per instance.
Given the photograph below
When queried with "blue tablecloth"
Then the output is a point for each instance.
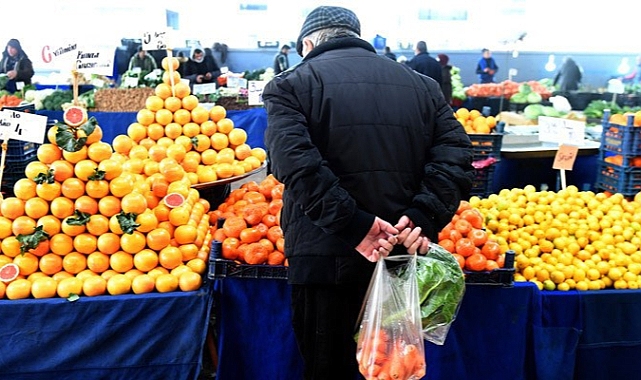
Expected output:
(253, 121)
(152, 336)
(500, 333)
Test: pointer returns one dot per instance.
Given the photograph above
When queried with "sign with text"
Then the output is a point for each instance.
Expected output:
(59, 55)
(561, 131)
(130, 81)
(204, 89)
(236, 82)
(156, 40)
(22, 126)
(255, 92)
(98, 61)
(565, 157)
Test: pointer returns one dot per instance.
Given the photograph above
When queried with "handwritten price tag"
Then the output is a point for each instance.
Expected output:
(236, 82)
(204, 89)
(22, 126)
(561, 131)
(155, 41)
(255, 93)
(565, 157)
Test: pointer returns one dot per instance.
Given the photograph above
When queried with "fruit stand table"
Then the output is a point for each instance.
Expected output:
(500, 333)
(151, 336)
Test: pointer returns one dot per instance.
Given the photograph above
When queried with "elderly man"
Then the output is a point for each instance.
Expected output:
(371, 156)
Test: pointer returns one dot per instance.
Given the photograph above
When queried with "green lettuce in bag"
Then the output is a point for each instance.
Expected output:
(441, 285)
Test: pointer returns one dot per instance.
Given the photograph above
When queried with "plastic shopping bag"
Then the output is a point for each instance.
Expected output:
(441, 286)
(390, 340)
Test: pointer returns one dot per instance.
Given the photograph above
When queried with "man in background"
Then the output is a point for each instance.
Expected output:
(486, 67)
(281, 60)
(425, 64)
(146, 62)
(388, 53)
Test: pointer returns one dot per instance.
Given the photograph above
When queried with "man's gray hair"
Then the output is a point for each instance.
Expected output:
(323, 35)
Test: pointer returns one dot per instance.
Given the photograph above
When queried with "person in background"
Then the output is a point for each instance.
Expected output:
(569, 75)
(388, 53)
(281, 60)
(200, 70)
(635, 76)
(486, 67)
(343, 209)
(147, 63)
(16, 64)
(425, 64)
(447, 77)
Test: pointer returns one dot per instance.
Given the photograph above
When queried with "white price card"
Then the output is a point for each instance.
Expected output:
(22, 126)
(561, 131)
(58, 54)
(255, 92)
(98, 61)
(156, 40)
(204, 89)
(236, 82)
(185, 81)
(131, 81)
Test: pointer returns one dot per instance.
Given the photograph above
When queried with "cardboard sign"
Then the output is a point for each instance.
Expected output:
(255, 92)
(95, 61)
(204, 89)
(565, 157)
(561, 131)
(23, 126)
(236, 82)
(59, 55)
(157, 40)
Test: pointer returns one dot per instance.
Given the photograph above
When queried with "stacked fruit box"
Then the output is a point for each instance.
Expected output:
(486, 147)
(619, 167)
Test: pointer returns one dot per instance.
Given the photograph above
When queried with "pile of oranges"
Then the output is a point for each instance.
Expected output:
(474, 122)
(251, 233)
(120, 218)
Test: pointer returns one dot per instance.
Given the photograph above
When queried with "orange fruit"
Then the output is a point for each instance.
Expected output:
(98, 262)
(219, 141)
(185, 234)
(182, 90)
(12, 208)
(99, 151)
(23, 225)
(145, 117)
(133, 273)
(147, 221)
(476, 262)
(242, 152)
(61, 244)
(225, 125)
(143, 284)
(109, 206)
(68, 286)
(95, 136)
(5, 227)
(166, 62)
(61, 170)
(24, 189)
(260, 154)
(163, 91)
(154, 103)
(97, 189)
(27, 262)
(18, 289)
(137, 131)
(190, 102)
(108, 243)
(171, 78)
(86, 204)
(133, 243)
(121, 186)
(197, 265)
(133, 203)
(164, 117)
(122, 143)
(179, 215)
(36, 208)
(217, 113)
(94, 286)
(44, 287)
(199, 114)
(146, 260)
(121, 261)
(111, 167)
(170, 257)
(34, 168)
(118, 284)
(85, 243)
(237, 136)
(182, 117)
(189, 281)
(48, 153)
(72, 188)
(173, 130)
(98, 224)
(74, 262)
(191, 129)
(166, 283)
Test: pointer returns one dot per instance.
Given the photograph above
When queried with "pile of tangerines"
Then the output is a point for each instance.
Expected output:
(93, 218)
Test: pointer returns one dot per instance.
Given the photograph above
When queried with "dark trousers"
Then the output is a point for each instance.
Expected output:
(325, 320)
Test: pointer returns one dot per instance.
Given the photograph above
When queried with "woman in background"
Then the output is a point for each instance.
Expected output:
(16, 64)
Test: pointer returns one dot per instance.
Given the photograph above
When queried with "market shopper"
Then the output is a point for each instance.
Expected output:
(16, 65)
(200, 70)
(425, 64)
(486, 67)
(569, 75)
(444, 60)
(361, 143)
(388, 53)
(145, 62)
(281, 60)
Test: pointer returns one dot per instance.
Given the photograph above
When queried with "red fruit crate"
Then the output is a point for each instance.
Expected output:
(486, 145)
(499, 277)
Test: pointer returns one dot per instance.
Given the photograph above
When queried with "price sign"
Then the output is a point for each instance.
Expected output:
(156, 40)
(255, 92)
(23, 126)
(95, 61)
(131, 82)
(204, 89)
(561, 131)
(58, 54)
(19, 86)
(236, 82)
(565, 157)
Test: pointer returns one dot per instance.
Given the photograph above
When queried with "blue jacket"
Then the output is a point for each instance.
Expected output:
(482, 65)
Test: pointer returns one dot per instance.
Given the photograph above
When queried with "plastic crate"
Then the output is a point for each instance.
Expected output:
(221, 268)
(13, 171)
(500, 277)
(621, 139)
(486, 145)
(18, 150)
(482, 185)
(618, 179)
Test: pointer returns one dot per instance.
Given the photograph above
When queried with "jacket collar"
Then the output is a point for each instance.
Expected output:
(339, 43)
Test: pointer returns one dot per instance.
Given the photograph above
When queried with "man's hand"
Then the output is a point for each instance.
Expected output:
(11, 74)
(379, 241)
(208, 76)
(410, 236)
(199, 79)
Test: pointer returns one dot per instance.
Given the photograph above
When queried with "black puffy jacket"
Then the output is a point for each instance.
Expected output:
(354, 135)
(426, 65)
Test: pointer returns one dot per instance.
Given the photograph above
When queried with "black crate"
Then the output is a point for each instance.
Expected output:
(621, 139)
(483, 182)
(618, 179)
(13, 171)
(486, 145)
(499, 277)
(221, 268)
(18, 150)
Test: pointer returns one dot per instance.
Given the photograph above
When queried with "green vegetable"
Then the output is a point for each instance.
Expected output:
(534, 97)
(533, 111)
(88, 98)
(552, 112)
(441, 286)
(519, 98)
(525, 88)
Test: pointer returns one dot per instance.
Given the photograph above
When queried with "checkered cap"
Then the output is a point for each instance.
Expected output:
(327, 17)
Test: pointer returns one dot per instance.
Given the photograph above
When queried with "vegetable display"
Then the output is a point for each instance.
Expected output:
(508, 89)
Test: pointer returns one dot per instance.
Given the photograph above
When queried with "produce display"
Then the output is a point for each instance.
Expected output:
(508, 89)
(568, 239)
(474, 122)
(121, 99)
(596, 108)
(250, 232)
(91, 218)
(458, 89)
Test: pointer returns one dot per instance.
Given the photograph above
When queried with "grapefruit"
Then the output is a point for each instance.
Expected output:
(75, 116)
(9, 272)
(174, 200)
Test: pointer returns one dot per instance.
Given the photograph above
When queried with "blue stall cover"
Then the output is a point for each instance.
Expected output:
(151, 336)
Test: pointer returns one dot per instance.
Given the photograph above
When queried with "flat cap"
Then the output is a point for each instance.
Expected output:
(327, 17)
